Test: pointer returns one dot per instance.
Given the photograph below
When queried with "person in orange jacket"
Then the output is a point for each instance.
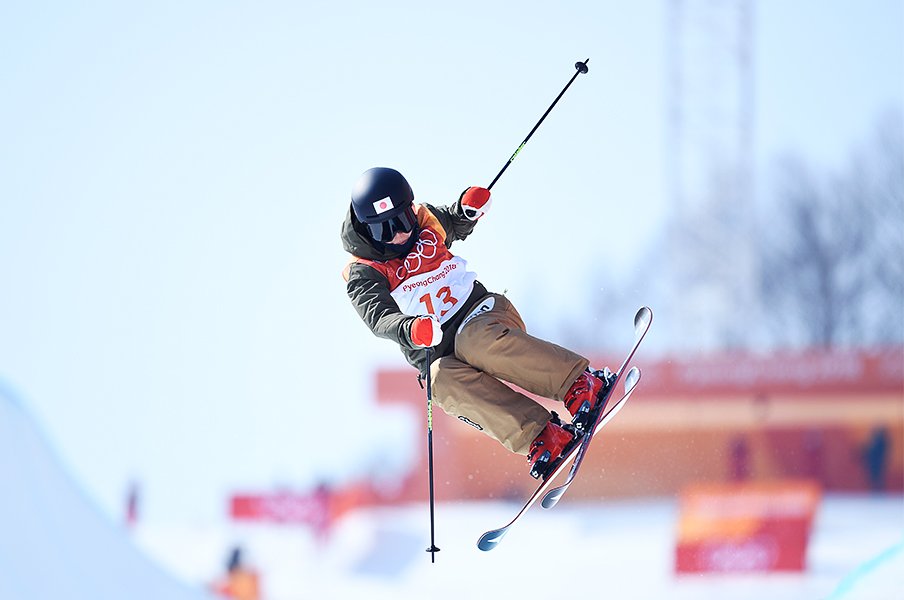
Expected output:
(240, 581)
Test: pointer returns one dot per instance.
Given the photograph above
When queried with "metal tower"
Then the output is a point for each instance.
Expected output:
(709, 164)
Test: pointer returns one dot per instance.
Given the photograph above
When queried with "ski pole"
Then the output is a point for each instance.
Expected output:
(581, 68)
(432, 549)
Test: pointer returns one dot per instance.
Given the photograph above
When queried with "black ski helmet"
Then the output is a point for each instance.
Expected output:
(383, 201)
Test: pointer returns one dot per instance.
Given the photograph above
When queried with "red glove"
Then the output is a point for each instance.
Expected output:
(426, 332)
(475, 201)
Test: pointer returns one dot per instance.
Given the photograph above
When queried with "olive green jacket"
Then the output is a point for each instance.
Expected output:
(369, 288)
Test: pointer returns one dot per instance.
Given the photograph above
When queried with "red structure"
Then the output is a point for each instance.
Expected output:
(833, 418)
(810, 415)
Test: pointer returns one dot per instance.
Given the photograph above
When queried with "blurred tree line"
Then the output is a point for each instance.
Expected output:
(833, 267)
(816, 261)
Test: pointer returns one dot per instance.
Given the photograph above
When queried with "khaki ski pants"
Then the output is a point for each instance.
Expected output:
(493, 347)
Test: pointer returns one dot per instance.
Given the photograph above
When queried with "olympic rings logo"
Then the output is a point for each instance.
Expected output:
(425, 248)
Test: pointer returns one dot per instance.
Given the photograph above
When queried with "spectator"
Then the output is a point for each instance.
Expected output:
(240, 582)
(875, 458)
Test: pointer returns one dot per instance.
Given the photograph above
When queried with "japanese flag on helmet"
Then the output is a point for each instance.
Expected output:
(382, 205)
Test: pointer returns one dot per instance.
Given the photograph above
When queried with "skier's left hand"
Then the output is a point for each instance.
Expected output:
(475, 202)
(426, 332)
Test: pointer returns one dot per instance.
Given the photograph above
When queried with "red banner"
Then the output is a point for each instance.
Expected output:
(280, 507)
(745, 527)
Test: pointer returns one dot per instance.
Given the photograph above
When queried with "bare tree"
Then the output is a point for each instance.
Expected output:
(822, 266)
(877, 176)
(831, 263)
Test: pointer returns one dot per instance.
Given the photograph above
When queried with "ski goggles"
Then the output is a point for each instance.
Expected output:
(384, 231)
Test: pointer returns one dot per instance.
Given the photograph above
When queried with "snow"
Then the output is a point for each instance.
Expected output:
(54, 543)
(627, 547)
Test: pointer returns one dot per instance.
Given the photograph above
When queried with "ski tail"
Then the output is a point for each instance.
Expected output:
(489, 539)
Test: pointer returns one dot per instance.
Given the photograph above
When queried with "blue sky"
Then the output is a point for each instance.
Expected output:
(173, 176)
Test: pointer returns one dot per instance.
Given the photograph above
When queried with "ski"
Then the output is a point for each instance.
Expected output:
(553, 496)
(642, 321)
(490, 539)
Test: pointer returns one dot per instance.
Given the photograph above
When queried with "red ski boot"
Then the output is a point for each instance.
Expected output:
(587, 395)
(546, 451)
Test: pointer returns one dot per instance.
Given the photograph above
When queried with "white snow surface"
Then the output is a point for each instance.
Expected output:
(622, 549)
(54, 542)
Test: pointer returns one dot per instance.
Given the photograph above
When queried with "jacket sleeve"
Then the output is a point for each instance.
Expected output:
(369, 293)
(453, 220)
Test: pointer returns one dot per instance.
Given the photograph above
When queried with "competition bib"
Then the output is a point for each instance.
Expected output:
(440, 292)
(429, 280)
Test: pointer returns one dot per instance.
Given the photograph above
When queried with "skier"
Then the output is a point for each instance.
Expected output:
(407, 286)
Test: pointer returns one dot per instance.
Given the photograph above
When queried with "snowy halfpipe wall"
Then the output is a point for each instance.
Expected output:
(54, 543)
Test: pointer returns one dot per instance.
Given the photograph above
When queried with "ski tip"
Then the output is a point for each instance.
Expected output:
(552, 498)
(491, 539)
(643, 317)
(632, 378)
